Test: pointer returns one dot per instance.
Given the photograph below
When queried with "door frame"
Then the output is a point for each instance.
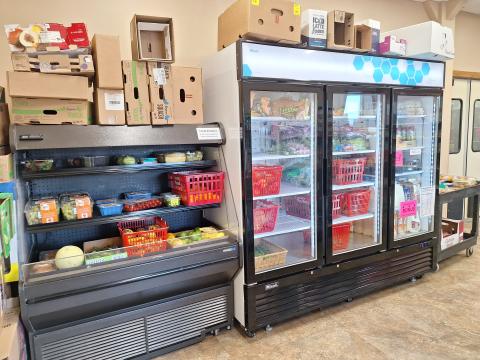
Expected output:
(383, 191)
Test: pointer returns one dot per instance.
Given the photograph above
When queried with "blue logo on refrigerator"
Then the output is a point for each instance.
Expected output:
(405, 72)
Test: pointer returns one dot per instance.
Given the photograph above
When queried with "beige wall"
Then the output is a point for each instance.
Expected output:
(467, 44)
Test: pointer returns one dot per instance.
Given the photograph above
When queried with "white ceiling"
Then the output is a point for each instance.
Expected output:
(471, 6)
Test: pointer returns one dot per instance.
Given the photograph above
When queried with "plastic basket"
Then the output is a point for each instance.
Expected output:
(348, 171)
(340, 236)
(197, 188)
(357, 202)
(266, 179)
(336, 205)
(149, 240)
(298, 206)
(276, 256)
(265, 215)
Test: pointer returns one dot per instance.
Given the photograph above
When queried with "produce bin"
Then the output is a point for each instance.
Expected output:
(357, 202)
(348, 171)
(265, 215)
(197, 188)
(341, 236)
(275, 256)
(266, 180)
(298, 206)
(144, 236)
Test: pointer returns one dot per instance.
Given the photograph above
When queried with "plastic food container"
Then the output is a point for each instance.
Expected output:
(142, 204)
(39, 165)
(171, 200)
(149, 160)
(93, 161)
(76, 206)
(75, 162)
(194, 155)
(110, 208)
(42, 211)
(172, 157)
(137, 195)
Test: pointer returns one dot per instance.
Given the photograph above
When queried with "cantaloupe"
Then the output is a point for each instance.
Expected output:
(69, 257)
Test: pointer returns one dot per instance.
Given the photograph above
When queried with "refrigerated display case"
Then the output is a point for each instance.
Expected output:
(310, 151)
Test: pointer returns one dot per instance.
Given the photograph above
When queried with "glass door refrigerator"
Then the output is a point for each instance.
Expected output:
(357, 133)
(415, 158)
(282, 159)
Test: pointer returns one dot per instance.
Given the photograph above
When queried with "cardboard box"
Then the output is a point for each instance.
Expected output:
(54, 63)
(50, 111)
(12, 338)
(2, 95)
(363, 38)
(160, 88)
(452, 232)
(391, 46)
(428, 40)
(110, 107)
(108, 62)
(137, 104)
(152, 38)
(6, 168)
(50, 86)
(314, 28)
(266, 20)
(4, 125)
(340, 30)
(188, 95)
(375, 38)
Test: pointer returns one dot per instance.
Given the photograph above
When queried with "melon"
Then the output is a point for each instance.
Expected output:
(69, 257)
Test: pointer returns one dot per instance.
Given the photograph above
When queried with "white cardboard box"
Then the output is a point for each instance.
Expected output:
(314, 28)
(428, 40)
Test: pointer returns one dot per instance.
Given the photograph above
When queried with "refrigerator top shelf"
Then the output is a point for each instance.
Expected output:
(352, 186)
(346, 219)
(346, 117)
(263, 157)
(344, 153)
(278, 118)
(409, 148)
(286, 224)
(286, 189)
(411, 116)
(408, 173)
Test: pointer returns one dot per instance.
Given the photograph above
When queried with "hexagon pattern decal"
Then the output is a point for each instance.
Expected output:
(399, 70)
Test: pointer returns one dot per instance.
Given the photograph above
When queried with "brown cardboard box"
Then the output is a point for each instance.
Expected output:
(110, 107)
(268, 20)
(4, 123)
(51, 86)
(340, 30)
(6, 168)
(137, 104)
(54, 63)
(12, 339)
(50, 111)
(363, 38)
(152, 38)
(160, 88)
(188, 96)
(108, 62)
(2, 95)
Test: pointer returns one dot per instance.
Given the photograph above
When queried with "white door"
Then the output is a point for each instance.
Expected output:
(473, 148)
(457, 161)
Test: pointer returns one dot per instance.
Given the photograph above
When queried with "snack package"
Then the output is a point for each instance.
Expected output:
(76, 206)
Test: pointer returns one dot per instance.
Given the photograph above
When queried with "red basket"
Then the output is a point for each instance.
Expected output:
(145, 241)
(348, 171)
(266, 179)
(340, 236)
(336, 206)
(298, 206)
(265, 215)
(357, 202)
(197, 188)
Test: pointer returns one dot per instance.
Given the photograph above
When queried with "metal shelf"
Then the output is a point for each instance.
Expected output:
(346, 117)
(411, 116)
(278, 157)
(344, 153)
(286, 189)
(408, 173)
(100, 220)
(278, 118)
(410, 148)
(286, 224)
(119, 169)
(345, 219)
(352, 186)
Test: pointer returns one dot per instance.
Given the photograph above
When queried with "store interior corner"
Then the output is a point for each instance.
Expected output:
(231, 179)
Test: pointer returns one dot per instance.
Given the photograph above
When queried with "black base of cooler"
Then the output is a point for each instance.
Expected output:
(276, 301)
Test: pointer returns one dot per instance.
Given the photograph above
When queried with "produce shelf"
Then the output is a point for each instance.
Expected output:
(100, 220)
(340, 117)
(344, 153)
(119, 169)
(286, 189)
(352, 186)
(286, 224)
(411, 116)
(278, 157)
(345, 219)
(408, 173)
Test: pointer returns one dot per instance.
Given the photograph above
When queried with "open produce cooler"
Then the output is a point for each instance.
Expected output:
(115, 232)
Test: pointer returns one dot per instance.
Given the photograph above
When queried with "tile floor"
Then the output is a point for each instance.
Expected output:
(436, 318)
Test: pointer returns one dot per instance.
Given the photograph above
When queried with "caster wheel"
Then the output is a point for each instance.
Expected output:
(268, 328)
(216, 332)
(250, 334)
(469, 252)
(228, 327)
(413, 279)
(349, 299)
(437, 268)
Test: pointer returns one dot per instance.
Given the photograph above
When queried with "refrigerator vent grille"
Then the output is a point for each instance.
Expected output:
(117, 342)
(186, 322)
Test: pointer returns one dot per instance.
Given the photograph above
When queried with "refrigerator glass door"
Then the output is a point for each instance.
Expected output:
(283, 153)
(415, 165)
(357, 171)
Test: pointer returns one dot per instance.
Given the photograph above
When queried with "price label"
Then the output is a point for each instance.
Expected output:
(114, 101)
(209, 133)
(417, 151)
(408, 208)
(398, 158)
(296, 9)
(256, 2)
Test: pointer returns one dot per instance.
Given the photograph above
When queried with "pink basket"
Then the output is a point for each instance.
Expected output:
(265, 215)
(348, 171)
(298, 206)
(336, 205)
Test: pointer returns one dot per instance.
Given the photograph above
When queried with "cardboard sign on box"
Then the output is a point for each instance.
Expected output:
(340, 30)
(4, 124)
(50, 111)
(267, 20)
(152, 38)
(160, 88)
(108, 62)
(188, 95)
(137, 104)
(110, 107)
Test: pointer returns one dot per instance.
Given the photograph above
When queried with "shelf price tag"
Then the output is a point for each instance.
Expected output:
(398, 158)
(408, 208)
(209, 133)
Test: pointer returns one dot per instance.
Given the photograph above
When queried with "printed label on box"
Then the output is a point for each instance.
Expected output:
(408, 208)
(114, 102)
(256, 2)
(296, 9)
(427, 199)
(209, 134)
(159, 76)
(415, 151)
(47, 37)
(398, 158)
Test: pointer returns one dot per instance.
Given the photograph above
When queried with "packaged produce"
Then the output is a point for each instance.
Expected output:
(149, 160)
(47, 255)
(137, 195)
(92, 161)
(42, 211)
(126, 160)
(188, 237)
(39, 165)
(76, 206)
(103, 250)
(172, 157)
(110, 208)
(69, 256)
(194, 155)
(171, 200)
(142, 204)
